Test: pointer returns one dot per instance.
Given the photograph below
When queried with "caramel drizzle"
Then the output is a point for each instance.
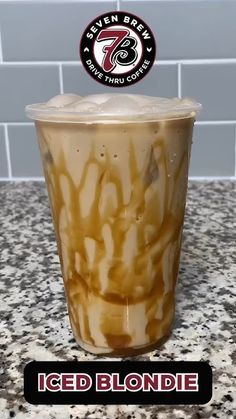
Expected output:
(121, 278)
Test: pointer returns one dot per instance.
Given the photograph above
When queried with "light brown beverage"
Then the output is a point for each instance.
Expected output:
(117, 187)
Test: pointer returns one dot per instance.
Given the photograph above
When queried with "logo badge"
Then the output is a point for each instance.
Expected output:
(117, 49)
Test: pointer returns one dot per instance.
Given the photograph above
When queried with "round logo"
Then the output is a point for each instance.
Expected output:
(117, 49)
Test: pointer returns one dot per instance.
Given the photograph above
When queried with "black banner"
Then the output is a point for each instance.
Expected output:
(112, 382)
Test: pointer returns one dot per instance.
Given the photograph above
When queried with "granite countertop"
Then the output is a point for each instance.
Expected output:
(34, 322)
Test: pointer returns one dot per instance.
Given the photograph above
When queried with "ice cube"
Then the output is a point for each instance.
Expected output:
(120, 104)
(98, 99)
(83, 106)
(60, 101)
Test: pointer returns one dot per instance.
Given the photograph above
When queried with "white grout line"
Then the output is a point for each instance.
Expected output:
(191, 178)
(61, 79)
(17, 123)
(22, 179)
(173, 1)
(52, 1)
(215, 122)
(211, 178)
(232, 122)
(179, 84)
(1, 55)
(118, 5)
(235, 149)
(165, 62)
(169, 1)
(79, 63)
(196, 123)
(40, 63)
(33, 63)
(196, 61)
(81, 1)
(7, 145)
(209, 61)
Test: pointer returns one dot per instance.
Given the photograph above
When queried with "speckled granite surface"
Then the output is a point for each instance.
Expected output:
(34, 323)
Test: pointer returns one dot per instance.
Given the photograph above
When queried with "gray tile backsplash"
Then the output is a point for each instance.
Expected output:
(189, 29)
(213, 151)
(3, 155)
(161, 80)
(21, 85)
(46, 31)
(214, 85)
(25, 158)
(196, 56)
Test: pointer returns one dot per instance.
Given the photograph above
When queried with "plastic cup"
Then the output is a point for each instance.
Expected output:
(117, 186)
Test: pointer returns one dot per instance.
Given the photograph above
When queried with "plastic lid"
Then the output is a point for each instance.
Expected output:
(116, 107)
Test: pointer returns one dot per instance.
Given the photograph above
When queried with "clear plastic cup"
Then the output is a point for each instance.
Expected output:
(116, 169)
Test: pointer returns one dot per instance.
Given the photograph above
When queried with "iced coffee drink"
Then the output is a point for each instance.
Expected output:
(116, 169)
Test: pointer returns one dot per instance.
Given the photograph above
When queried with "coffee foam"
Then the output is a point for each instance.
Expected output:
(112, 106)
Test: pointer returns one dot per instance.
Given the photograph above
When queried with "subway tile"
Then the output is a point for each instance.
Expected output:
(46, 31)
(21, 85)
(161, 81)
(3, 154)
(24, 151)
(214, 85)
(189, 29)
(213, 151)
